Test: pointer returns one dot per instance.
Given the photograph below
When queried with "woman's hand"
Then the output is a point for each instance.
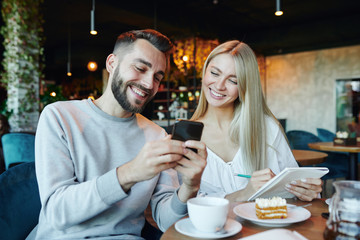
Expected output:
(305, 189)
(257, 180)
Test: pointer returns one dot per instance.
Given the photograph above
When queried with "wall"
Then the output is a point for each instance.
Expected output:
(301, 86)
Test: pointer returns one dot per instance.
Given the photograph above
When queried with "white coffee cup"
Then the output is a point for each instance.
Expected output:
(208, 214)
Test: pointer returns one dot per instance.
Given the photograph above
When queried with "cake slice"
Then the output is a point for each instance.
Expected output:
(273, 208)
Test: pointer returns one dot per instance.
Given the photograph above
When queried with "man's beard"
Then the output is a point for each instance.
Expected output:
(118, 87)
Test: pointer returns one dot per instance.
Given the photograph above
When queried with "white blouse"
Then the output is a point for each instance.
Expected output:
(219, 178)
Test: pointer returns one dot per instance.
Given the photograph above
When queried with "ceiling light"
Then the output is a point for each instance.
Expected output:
(278, 11)
(69, 55)
(92, 66)
(92, 19)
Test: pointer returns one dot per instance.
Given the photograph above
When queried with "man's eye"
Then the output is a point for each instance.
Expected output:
(158, 77)
(214, 73)
(140, 69)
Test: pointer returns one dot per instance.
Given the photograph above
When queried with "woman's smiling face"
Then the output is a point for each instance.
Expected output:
(220, 82)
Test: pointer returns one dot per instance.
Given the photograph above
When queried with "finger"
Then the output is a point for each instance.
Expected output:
(168, 158)
(263, 177)
(200, 146)
(263, 172)
(191, 165)
(306, 194)
(189, 173)
(165, 166)
(191, 160)
(167, 137)
(314, 181)
(257, 183)
(302, 195)
(306, 185)
(163, 147)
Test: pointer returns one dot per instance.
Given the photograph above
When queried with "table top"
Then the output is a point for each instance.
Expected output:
(311, 228)
(329, 146)
(305, 157)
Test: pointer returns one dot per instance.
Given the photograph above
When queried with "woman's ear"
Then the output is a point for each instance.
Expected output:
(111, 63)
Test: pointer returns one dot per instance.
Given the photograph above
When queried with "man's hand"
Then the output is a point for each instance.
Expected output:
(191, 169)
(153, 158)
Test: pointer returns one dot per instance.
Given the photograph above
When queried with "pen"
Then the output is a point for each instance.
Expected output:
(242, 175)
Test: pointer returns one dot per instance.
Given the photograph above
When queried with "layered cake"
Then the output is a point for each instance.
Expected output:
(271, 208)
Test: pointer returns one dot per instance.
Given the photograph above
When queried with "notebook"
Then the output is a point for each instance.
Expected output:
(276, 186)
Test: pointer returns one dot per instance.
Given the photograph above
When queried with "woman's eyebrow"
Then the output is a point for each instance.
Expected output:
(217, 69)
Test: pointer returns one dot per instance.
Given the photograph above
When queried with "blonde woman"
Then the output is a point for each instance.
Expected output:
(240, 132)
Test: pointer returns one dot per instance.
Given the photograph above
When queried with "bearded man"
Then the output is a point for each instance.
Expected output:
(100, 163)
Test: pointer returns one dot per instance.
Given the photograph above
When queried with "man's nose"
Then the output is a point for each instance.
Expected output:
(148, 81)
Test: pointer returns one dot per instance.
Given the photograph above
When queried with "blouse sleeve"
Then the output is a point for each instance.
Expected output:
(279, 154)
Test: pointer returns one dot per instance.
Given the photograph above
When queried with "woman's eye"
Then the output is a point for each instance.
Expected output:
(214, 73)
(233, 81)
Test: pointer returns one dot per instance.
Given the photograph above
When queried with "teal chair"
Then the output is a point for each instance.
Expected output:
(325, 135)
(19, 201)
(18, 148)
(299, 139)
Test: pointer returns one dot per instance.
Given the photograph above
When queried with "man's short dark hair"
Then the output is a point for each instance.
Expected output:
(158, 40)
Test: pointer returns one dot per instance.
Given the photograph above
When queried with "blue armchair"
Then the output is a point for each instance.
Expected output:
(18, 148)
(19, 201)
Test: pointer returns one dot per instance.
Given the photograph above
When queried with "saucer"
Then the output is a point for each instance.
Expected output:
(185, 227)
(295, 215)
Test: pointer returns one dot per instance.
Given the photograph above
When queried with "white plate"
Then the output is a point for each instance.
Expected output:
(185, 227)
(295, 214)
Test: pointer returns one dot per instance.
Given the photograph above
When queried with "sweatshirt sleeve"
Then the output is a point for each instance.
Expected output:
(65, 201)
(165, 203)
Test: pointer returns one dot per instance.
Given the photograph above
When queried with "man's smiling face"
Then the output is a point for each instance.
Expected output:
(137, 78)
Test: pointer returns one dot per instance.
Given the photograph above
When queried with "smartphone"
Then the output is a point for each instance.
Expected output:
(325, 215)
(187, 130)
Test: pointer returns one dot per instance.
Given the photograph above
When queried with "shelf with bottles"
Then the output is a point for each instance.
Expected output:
(167, 103)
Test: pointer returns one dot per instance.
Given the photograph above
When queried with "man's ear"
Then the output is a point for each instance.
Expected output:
(111, 62)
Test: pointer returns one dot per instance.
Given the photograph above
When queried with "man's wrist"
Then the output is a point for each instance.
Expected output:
(124, 178)
(185, 192)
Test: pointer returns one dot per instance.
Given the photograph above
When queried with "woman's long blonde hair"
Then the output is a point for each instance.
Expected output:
(248, 127)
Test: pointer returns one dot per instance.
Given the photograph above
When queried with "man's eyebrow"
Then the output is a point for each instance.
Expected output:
(143, 62)
(149, 65)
